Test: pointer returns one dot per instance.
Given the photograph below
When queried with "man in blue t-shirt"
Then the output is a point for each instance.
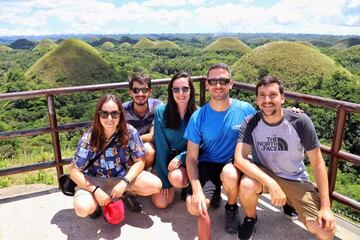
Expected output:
(277, 139)
(211, 133)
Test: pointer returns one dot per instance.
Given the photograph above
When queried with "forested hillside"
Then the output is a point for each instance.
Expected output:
(307, 64)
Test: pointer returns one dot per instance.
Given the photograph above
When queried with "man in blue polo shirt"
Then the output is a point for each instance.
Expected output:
(214, 129)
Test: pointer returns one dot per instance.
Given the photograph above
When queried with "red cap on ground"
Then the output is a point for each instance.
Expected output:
(114, 212)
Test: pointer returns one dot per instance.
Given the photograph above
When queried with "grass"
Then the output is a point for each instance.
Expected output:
(346, 43)
(349, 58)
(227, 44)
(146, 43)
(45, 44)
(296, 64)
(108, 44)
(72, 63)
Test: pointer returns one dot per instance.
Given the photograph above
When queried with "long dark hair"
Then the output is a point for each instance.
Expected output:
(98, 139)
(172, 115)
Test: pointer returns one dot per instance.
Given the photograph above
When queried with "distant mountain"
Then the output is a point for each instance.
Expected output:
(72, 63)
(22, 44)
(104, 40)
(296, 64)
(346, 43)
(227, 44)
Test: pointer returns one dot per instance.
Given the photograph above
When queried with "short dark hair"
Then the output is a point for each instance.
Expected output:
(269, 80)
(141, 78)
(219, 65)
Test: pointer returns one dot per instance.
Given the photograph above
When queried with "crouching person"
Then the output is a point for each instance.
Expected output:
(277, 139)
(109, 161)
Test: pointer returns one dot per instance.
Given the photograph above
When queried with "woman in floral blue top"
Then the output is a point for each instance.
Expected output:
(119, 165)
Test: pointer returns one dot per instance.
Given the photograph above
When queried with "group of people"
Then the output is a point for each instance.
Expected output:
(147, 148)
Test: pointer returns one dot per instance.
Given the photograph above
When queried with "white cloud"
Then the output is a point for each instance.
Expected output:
(172, 3)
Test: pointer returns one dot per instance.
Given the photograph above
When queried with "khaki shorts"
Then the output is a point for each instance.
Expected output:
(300, 195)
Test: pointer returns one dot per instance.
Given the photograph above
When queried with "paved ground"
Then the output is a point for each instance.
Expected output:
(42, 212)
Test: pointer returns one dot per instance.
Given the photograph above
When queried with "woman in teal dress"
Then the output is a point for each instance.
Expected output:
(170, 146)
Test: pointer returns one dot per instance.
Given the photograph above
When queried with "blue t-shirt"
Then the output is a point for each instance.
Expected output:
(217, 132)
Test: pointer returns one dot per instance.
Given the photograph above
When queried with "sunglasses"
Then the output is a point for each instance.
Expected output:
(182, 89)
(105, 114)
(221, 81)
(143, 90)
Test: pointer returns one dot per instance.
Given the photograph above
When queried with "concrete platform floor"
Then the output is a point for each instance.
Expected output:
(42, 212)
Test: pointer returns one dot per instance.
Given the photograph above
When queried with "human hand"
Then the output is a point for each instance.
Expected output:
(102, 197)
(118, 189)
(294, 109)
(278, 197)
(174, 164)
(326, 219)
(165, 192)
(199, 200)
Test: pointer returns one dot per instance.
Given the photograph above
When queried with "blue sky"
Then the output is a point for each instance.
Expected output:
(44, 17)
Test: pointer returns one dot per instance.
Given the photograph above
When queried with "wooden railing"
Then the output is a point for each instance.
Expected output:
(336, 154)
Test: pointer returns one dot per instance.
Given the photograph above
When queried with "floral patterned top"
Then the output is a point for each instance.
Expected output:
(116, 160)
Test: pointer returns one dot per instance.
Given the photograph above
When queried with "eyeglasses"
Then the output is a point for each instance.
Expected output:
(182, 89)
(221, 81)
(105, 114)
(143, 90)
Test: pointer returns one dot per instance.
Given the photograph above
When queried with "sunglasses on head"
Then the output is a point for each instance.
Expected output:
(105, 114)
(221, 81)
(143, 90)
(182, 89)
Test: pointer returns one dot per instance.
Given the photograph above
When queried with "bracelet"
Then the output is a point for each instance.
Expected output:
(96, 188)
(125, 179)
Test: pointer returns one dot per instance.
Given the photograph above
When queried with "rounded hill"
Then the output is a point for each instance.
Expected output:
(22, 44)
(73, 62)
(45, 44)
(125, 44)
(346, 43)
(227, 44)
(144, 43)
(350, 58)
(4, 48)
(108, 45)
(165, 44)
(296, 64)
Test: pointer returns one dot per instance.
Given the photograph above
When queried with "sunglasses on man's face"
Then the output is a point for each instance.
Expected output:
(143, 90)
(221, 81)
(182, 89)
(105, 114)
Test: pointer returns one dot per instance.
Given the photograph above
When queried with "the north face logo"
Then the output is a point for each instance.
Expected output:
(273, 144)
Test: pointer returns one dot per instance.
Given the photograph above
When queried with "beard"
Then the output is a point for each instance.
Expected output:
(271, 114)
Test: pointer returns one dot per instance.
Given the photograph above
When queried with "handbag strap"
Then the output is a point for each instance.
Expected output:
(97, 156)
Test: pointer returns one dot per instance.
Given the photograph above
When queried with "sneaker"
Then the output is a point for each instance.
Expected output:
(247, 229)
(231, 219)
(132, 204)
(96, 214)
(216, 199)
(290, 212)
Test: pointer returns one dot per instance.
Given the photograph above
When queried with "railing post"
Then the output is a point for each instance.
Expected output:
(54, 134)
(202, 91)
(336, 146)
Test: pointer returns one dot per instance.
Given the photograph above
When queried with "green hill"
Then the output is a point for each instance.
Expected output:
(165, 44)
(350, 58)
(45, 44)
(346, 43)
(22, 44)
(296, 64)
(227, 44)
(144, 43)
(125, 44)
(4, 48)
(74, 62)
(108, 45)
(306, 43)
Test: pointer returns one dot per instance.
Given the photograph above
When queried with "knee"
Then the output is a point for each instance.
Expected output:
(156, 186)
(160, 204)
(82, 210)
(248, 186)
(177, 179)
